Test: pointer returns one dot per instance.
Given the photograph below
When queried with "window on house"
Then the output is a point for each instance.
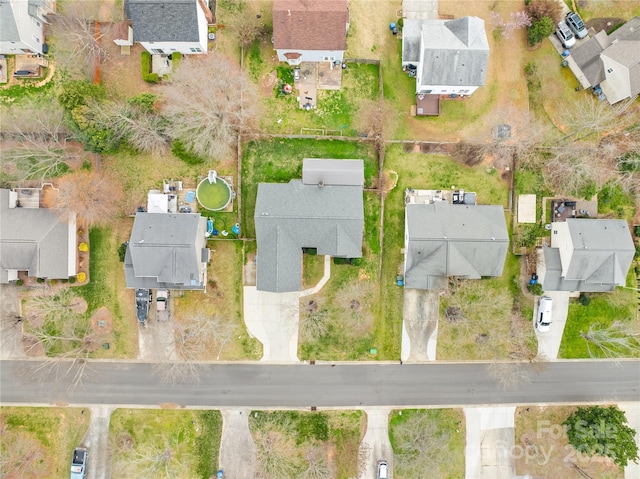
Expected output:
(195, 50)
(35, 39)
(609, 70)
(36, 22)
(157, 50)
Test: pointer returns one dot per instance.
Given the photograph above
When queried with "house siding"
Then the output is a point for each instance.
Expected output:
(27, 30)
(170, 47)
(310, 55)
(617, 85)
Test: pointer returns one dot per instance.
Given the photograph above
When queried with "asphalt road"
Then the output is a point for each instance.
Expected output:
(118, 383)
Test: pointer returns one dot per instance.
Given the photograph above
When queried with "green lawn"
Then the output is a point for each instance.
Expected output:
(430, 440)
(604, 309)
(105, 288)
(422, 171)
(39, 442)
(280, 160)
(284, 438)
(165, 443)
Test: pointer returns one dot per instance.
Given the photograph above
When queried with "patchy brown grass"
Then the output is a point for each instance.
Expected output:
(543, 450)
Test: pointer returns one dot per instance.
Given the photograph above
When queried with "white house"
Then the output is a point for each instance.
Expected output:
(22, 26)
(310, 31)
(447, 56)
(167, 26)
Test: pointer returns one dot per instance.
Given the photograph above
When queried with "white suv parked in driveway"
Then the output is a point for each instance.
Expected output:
(565, 36)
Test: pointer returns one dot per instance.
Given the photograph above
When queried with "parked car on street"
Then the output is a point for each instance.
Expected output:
(576, 24)
(563, 32)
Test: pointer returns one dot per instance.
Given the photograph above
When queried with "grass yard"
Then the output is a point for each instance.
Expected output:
(428, 440)
(39, 442)
(289, 443)
(604, 310)
(164, 443)
(344, 321)
(419, 170)
(609, 8)
(280, 160)
(542, 448)
(107, 288)
(223, 299)
(312, 269)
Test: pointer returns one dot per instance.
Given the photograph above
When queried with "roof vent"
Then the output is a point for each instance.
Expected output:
(321, 183)
(288, 13)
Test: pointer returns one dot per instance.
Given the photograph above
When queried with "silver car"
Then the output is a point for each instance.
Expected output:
(565, 36)
(576, 24)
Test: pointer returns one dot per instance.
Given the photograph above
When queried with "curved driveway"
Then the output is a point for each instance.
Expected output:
(118, 383)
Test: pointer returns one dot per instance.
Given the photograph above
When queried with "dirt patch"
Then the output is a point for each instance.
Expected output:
(32, 347)
(607, 23)
(79, 305)
(267, 83)
(102, 321)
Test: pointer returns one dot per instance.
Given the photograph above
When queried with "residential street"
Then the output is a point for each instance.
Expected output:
(340, 385)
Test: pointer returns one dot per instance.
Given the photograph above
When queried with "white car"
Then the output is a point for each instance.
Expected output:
(543, 320)
(563, 32)
(383, 470)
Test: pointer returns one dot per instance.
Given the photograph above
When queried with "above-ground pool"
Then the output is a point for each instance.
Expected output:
(214, 196)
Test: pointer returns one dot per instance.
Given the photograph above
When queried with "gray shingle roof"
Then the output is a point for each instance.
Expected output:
(602, 254)
(332, 172)
(587, 56)
(163, 20)
(454, 52)
(35, 240)
(453, 240)
(166, 251)
(8, 27)
(292, 216)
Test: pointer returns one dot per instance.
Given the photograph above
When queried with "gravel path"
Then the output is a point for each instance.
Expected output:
(237, 449)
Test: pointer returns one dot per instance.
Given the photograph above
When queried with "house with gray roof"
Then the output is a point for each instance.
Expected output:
(446, 56)
(22, 24)
(167, 251)
(587, 255)
(310, 31)
(444, 239)
(40, 241)
(611, 62)
(327, 216)
(167, 26)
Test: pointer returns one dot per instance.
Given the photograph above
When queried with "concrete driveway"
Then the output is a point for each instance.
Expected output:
(272, 318)
(97, 441)
(549, 342)
(420, 325)
(490, 440)
(375, 445)
(10, 323)
(237, 449)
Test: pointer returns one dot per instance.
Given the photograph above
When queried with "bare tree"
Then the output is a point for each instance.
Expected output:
(355, 300)
(421, 447)
(200, 334)
(316, 465)
(209, 102)
(378, 119)
(276, 455)
(22, 456)
(78, 37)
(615, 341)
(93, 196)
(590, 117)
(144, 129)
(538, 9)
(36, 140)
(161, 458)
(577, 171)
(314, 321)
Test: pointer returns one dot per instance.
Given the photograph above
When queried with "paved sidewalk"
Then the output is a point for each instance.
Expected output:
(375, 445)
(490, 439)
(632, 411)
(549, 342)
(325, 277)
(237, 449)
